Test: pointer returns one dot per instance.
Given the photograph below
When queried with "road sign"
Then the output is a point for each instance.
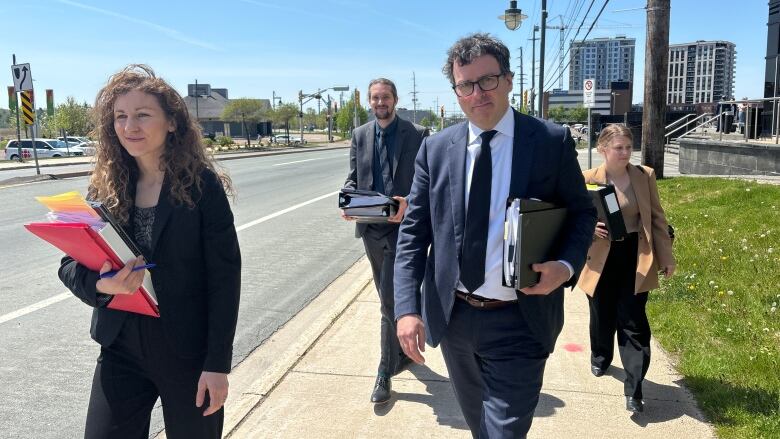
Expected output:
(588, 93)
(22, 77)
(28, 115)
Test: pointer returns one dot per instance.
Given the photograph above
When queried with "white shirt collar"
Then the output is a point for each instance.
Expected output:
(505, 126)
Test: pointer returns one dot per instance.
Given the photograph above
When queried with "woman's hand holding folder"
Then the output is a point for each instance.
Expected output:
(125, 281)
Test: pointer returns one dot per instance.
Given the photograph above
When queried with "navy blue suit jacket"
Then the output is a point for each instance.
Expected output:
(544, 166)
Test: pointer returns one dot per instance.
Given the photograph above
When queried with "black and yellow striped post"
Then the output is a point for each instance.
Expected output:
(28, 115)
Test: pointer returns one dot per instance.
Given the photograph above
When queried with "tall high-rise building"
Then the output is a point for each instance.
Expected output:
(701, 72)
(603, 59)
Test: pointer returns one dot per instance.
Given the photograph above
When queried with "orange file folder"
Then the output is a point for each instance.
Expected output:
(88, 248)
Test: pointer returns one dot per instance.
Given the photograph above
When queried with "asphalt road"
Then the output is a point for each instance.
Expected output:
(293, 245)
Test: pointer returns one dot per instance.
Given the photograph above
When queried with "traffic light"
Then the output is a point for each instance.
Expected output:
(357, 97)
(300, 95)
(441, 111)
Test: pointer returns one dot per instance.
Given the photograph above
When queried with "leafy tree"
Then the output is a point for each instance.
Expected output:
(579, 114)
(245, 110)
(73, 117)
(345, 117)
(425, 122)
(557, 114)
(283, 113)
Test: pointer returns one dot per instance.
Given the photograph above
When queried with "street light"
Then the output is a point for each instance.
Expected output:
(512, 18)
(303, 98)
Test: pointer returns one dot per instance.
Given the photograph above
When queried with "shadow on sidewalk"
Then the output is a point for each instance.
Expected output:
(662, 403)
(439, 397)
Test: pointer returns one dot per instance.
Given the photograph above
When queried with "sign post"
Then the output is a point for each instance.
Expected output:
(588, 101)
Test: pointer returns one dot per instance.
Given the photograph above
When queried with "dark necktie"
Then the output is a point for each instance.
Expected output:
(472, 261)
(387, 178)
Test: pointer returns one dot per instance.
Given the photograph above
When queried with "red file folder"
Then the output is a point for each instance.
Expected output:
(88, 248)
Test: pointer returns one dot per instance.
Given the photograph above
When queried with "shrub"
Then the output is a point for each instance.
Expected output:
(224, 141)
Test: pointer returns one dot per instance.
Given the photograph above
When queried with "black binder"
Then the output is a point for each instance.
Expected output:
(531, 235)
(367, 206)
(606, 202)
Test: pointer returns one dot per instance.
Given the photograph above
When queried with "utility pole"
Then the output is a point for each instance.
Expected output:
(656, 76)
(562, 27)
(414, 99)
(533, 66)
(522, 79)
(541, 59)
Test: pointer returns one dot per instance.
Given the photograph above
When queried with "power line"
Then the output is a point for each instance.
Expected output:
(586, 35)
(562, 70)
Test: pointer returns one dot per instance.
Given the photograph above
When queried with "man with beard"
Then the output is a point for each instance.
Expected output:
(382, 159)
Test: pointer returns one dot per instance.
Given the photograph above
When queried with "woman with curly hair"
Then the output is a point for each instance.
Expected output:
(152, 172)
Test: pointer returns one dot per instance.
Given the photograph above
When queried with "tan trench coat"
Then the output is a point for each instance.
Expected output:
(654, 248)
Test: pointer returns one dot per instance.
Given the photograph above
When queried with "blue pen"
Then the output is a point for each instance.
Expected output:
(113, 272)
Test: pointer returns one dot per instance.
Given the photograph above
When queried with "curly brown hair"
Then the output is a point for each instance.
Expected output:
(184, 157)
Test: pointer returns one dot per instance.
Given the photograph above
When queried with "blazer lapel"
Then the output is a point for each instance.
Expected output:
(456, 154)
(523, 147)
(161, 214)
(642, 193)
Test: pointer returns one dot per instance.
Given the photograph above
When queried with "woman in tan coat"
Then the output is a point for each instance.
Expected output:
(618, 274)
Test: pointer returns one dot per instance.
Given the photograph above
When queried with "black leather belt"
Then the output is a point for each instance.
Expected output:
(483, 302)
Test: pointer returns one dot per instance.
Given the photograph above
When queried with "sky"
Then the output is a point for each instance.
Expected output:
(258, 48)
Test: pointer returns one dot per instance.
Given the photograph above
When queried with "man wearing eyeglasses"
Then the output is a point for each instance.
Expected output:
(382, 159)
(495, 341)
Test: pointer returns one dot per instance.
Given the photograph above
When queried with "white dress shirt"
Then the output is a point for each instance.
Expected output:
(501, 148)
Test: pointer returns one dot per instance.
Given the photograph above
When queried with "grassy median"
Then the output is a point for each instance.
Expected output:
(718, 316)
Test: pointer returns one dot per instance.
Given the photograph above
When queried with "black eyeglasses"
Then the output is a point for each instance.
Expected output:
(486, 83)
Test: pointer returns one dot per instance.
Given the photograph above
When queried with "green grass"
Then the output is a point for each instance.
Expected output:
(718, 316)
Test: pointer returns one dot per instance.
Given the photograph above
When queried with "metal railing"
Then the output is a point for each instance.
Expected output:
(669, 134)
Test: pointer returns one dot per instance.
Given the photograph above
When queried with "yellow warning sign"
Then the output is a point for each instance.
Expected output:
(28, 115)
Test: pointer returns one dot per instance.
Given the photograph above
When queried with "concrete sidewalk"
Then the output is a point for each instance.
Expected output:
(315, 381)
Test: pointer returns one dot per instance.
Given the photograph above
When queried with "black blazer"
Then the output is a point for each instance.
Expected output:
(361, 159)
(197, 277)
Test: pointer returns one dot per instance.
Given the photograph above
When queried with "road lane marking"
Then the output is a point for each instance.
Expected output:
(60, 297)
(283, 211)
(299, 161)
(35, 307)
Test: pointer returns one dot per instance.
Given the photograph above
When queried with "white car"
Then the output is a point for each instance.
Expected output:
(45, 148)
(291, 140)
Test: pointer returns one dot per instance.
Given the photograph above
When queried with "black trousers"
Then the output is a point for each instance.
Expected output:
(496, 367)
(379, 241)
(615, 308)
(132, 373)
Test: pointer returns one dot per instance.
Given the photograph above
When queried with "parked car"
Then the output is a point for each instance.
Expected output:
(45, 148)
(290, 140)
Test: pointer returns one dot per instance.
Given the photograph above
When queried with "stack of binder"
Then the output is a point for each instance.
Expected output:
(605, 200)
(531, 230)
(367, 206)
(89, 234)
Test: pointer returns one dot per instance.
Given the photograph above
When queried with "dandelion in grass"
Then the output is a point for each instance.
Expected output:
(747, 189)
(770, 250)
(712, 282)
(730, 293)
(728, 329)
(731, 230)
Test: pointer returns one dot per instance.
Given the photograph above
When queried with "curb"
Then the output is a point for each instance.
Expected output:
(253, 379)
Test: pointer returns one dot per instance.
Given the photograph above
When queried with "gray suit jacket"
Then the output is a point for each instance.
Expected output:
(544, 166)
(361, 159)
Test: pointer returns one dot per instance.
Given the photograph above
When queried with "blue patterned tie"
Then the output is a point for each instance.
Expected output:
(472, 261)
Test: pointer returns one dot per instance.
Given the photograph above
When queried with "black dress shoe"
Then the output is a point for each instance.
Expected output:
(634, 405)
(381, 393)
(596, 371)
